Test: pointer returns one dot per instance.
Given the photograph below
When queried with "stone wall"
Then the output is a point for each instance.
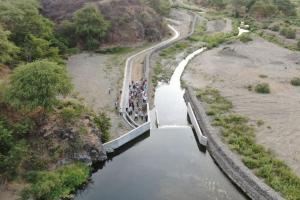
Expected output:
(231, 165)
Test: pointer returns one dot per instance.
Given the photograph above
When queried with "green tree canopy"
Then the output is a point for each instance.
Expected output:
(8, 50)
(22, 17)
(37, 84)
(90, 26)
(37, 48)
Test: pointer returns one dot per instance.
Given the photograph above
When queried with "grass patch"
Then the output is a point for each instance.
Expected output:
(174, 49)
(295, 81)
(71, 111)
(239, 134)
(57, 184)
(103, 122)
(263, 76)
(273, 39)
(246, 37)
(262, 88)
(160, 74)
(211, 40)
(288, 32)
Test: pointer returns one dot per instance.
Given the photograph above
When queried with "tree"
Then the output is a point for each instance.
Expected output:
(37, 84)
(8, 50)
(161, 6)
(22, 17)
(286, 7)
(90, 26)
(261, 9)
(37, 48)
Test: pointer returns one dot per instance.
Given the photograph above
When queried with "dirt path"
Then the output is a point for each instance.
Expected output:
(93, 75)
(234, 68)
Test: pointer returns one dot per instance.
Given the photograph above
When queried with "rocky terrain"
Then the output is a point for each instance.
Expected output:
(131, 20)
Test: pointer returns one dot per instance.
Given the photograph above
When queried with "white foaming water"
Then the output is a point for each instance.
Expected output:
(241, 31)
(169, 102)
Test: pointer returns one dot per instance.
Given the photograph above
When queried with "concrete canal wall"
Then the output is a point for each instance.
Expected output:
(233, 167)
(202, 139)
(126, 138)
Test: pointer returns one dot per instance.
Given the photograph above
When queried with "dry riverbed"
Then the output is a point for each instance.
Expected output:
(234, 67)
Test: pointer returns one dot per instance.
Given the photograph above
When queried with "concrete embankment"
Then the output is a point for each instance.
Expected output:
(251, 185)
(126, 138)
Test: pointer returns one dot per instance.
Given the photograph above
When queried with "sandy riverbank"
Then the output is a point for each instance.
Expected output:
(232, 68)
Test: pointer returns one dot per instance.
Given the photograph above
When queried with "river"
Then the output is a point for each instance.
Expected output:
(167, 163)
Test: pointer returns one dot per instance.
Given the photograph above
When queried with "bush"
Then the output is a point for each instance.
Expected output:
(262, 88)
(295, 81)
(90, 26)
(288, 33)
(56, 184)
(298, 45)
(71, 111)
(275, 27)
(245, 38)
(103, 122)
(37, 84)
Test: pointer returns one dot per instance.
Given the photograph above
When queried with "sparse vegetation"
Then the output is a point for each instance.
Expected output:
(295, 81)
(246, 37)
(212, 40)
(103, 122)
(288, 32)
(262, 88)
(174, 49)
(240, 136)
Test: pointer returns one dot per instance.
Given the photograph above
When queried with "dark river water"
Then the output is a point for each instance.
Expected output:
(167, 164)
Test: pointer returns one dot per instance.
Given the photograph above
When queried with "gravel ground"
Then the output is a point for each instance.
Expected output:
(92, 76)
(233, 68)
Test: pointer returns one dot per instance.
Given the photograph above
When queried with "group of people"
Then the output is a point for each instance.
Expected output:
(137, 105)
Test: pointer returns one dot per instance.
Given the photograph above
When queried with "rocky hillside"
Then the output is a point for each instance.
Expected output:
(131, 20)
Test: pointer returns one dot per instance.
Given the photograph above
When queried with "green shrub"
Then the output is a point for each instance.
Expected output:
(245, 38)
(275, 28)
(298, 45)
(71, 110)
(262, 88)
(174, 49)
(58, 184)
(288, 33)
(90, 26)
(103, 122)
(295, 81)
(37, 84)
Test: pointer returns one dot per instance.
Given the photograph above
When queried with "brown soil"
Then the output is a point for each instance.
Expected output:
(233, 68)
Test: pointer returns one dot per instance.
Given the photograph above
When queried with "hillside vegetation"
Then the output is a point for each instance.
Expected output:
(131, 20)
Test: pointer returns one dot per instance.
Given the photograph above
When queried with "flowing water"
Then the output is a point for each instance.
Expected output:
(167, 163)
